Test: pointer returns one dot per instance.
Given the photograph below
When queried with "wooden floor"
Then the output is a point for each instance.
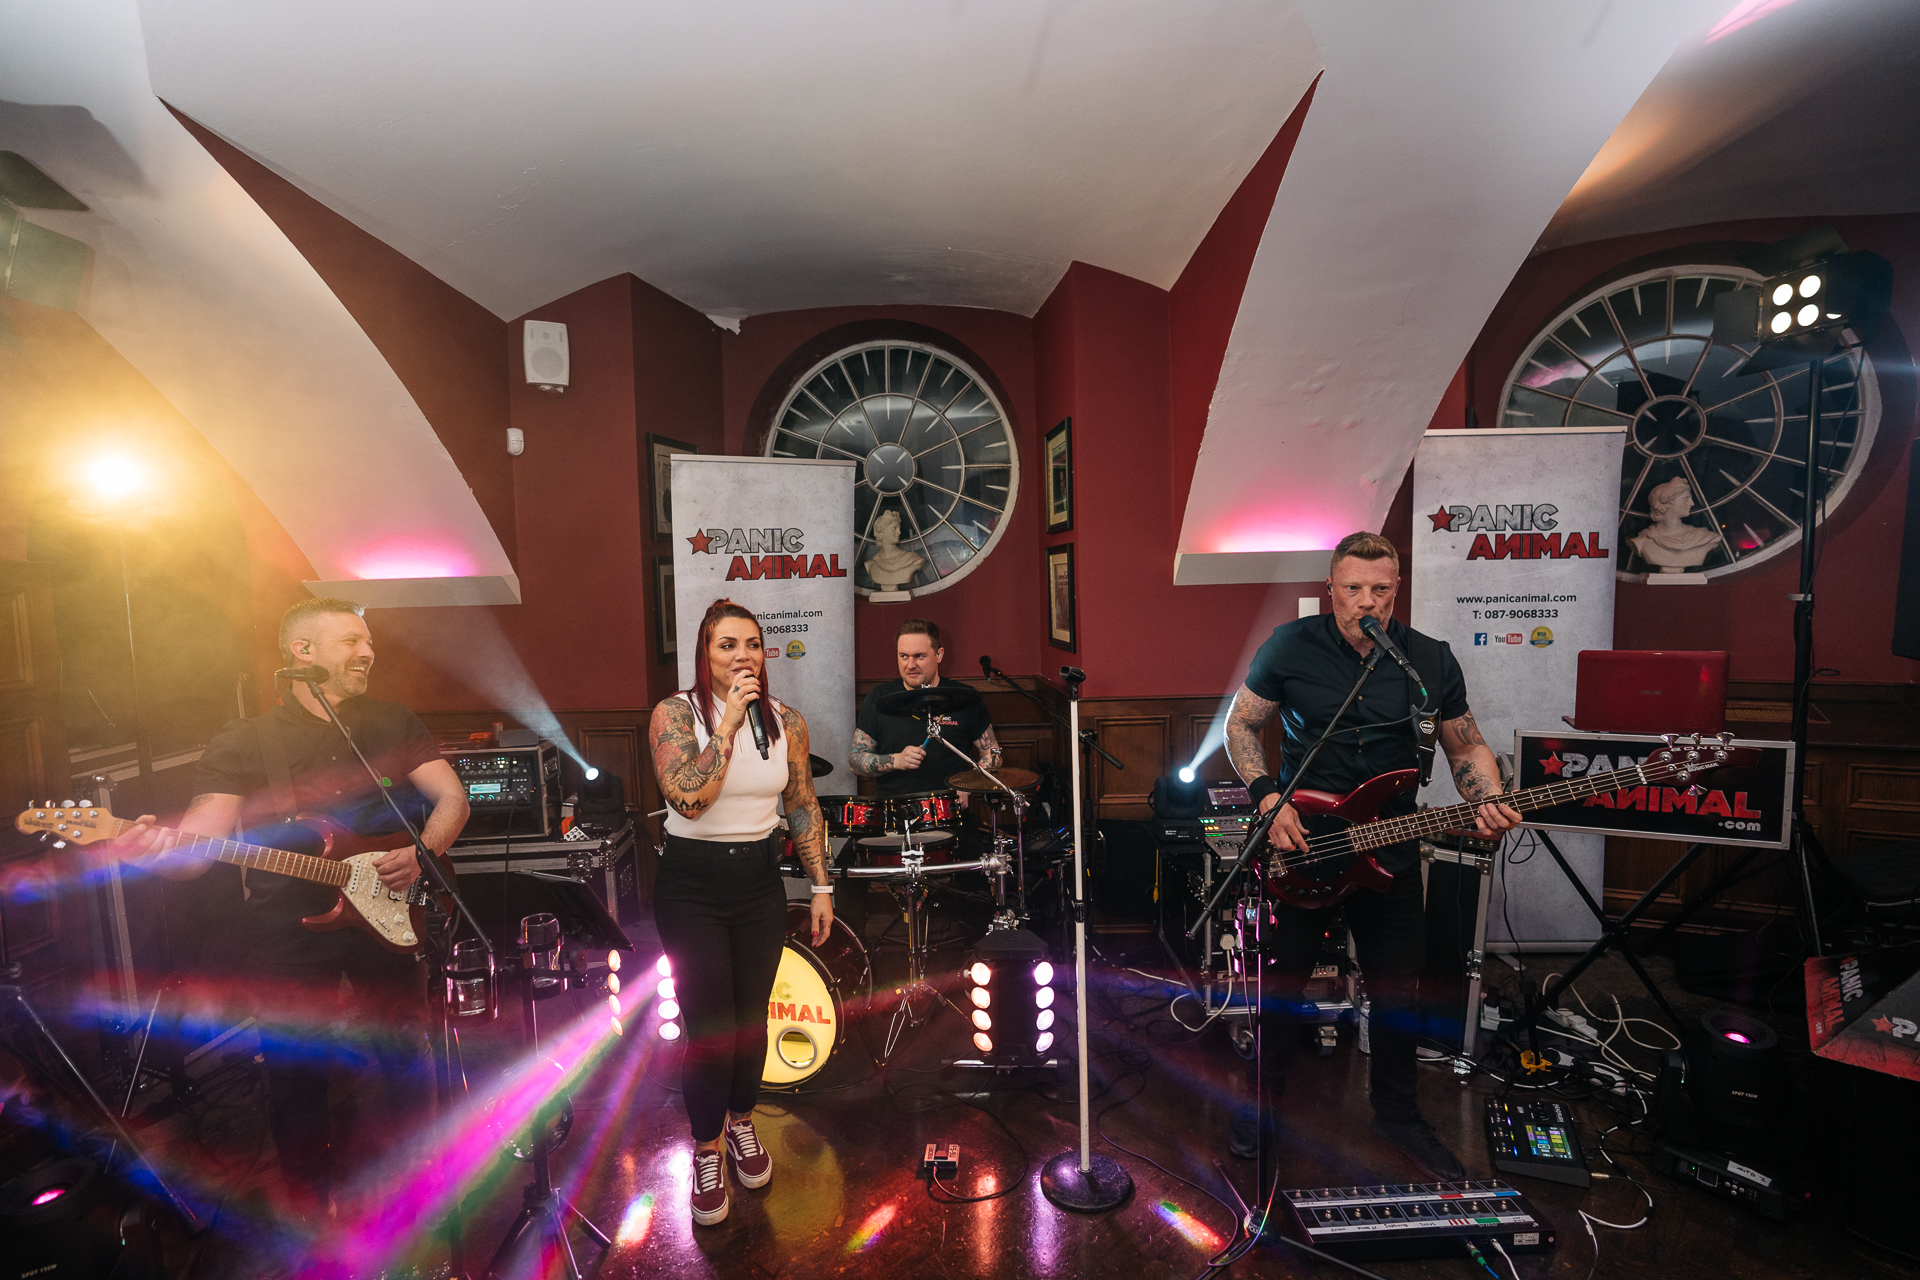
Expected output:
(846, 1197)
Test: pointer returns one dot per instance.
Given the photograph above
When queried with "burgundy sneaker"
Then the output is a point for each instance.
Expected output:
(710, 1200)
(752, 1166)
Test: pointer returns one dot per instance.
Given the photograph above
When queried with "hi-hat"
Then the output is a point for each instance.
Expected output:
(974, 780)
(938, 700)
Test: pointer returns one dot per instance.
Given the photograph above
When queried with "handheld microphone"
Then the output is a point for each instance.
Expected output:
(306, 675)
(986, 666)
(1370, 627)
(756, 721)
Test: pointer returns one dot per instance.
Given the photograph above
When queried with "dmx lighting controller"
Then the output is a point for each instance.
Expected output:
(1536, 1138)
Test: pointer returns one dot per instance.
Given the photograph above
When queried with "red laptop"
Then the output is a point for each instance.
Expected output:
(1651, 691)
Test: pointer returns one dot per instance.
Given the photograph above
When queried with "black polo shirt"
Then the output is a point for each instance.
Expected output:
(892, 733)
(327, 779)
(1307, 666)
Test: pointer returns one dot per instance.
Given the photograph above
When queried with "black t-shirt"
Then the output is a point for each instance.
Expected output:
(892, 733)
(1307, 666)
(327, 779)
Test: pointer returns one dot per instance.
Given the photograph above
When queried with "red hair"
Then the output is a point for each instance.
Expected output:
(705, 709)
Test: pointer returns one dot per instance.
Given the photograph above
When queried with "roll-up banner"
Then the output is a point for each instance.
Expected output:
(776, 536)
(1513, 566)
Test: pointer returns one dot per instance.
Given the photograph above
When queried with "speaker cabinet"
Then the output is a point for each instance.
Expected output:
(544, 347)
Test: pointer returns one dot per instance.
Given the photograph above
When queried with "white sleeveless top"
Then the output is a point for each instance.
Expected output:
(749, 804)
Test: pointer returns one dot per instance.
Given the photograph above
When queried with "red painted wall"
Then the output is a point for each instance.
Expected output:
(583, 635)
(1748, 614)
(996, 609)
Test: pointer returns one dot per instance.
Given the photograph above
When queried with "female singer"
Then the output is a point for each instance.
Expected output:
(719, 900)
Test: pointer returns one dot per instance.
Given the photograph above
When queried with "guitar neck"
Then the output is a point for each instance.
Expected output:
(1462, 817)
(257, 857)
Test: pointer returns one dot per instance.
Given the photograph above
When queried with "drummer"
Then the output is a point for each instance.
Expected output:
(894, 750)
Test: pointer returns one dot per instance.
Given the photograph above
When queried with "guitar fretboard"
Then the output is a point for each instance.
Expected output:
(258, 857)
(1460, 817)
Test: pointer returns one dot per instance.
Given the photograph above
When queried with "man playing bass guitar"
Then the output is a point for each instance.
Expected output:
(1302, 673)
(253, 775)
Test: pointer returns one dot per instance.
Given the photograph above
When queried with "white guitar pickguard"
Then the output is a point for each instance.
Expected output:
(387, 910)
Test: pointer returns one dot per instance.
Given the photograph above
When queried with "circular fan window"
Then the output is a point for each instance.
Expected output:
(1712, 477)
(937, 473)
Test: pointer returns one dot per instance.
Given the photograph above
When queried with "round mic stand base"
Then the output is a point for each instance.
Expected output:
(1104, 1186)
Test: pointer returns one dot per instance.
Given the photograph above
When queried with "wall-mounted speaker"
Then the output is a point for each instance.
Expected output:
(544, 347)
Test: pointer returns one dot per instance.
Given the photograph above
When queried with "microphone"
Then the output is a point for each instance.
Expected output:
(986, 666)
(756, 721)
(306, 675)
(1370, 627)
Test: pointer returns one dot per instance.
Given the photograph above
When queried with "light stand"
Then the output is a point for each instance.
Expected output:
(1082, 1181)
(542, 1223)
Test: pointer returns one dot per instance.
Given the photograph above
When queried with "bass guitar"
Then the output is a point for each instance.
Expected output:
(1343, 830)
(393, 916)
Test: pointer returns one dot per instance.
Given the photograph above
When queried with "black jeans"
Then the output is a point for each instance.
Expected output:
(310, 1030)
(723, 920)
(1389, 934)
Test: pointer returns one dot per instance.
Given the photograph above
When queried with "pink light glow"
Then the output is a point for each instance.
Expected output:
(1737, 1038)
(49, 1195)
(428, 555)
(636, 1221)
(869, 1233)
(1744, 14)
(1197, 1232)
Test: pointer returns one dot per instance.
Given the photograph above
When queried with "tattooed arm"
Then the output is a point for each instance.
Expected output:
(1245, 719)
(866, 760)
(805, 823)
(690, 775)
(1476, 774)
(986, 749)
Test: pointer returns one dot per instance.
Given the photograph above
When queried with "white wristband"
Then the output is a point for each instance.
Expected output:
(821, 888)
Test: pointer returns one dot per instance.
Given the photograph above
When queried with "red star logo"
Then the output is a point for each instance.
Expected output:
(700, 541)
(1553, 766)
(1883, 1024)
(1442, 519)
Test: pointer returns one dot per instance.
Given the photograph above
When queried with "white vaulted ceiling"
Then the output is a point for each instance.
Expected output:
(757, 155)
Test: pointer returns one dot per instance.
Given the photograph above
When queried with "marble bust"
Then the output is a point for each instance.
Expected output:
(891, 566)
(1670, 542)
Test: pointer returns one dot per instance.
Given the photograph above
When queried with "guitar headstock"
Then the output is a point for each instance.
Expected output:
(74, 822)
(1687, 758)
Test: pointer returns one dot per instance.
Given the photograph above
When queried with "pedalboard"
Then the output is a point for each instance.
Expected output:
(942, 1160)
(1536, 1139)
(1761, 1190)
(1417, 1220)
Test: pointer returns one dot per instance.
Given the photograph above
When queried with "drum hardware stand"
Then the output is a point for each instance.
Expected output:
(1082, 1181)
(1003, 918)
(543, 1210)
(1254, 913)
(1088, 739)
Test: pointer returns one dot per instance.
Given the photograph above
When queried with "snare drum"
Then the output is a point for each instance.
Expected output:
(850, 815)
(934, 848)
(816, 989)
(922, 809)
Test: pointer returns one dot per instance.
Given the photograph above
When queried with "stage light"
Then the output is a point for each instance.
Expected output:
(613, 1005)
(983, 1042)
(1043, 998)
(592, 773)
(613, 983)
(1781, 322)
(1814, 288)
(663, 967)
(1807, 314)
(668, 991)
(669, 1031)
(981, 997)
(613, 961)
(1043, 974)
(669, 1010)
(1044, 1043)
(1782, 292)
(114, 477)
(1186, 773)
(982, 1020)
(617, 1028)
(1045, 1020)
(980, 974)
(1809, 286)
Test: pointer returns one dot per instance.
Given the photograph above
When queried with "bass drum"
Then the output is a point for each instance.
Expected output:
(815, 992)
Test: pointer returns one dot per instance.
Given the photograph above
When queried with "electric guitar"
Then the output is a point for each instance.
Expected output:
(345, 862)
(1342, 830)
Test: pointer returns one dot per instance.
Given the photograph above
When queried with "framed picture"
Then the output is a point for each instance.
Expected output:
(1059, 450)
(659, 483)
(666, 625)
(1060, 597)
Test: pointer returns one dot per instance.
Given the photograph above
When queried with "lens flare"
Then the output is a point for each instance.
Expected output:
(869, 1233)
(115, 477)
(1196, 1232)
(636, 1221)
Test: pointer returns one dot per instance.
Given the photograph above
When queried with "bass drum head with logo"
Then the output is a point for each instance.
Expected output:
(814, 992)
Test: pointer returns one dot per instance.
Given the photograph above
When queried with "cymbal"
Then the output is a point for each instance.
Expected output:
(918, 840)
(938, 700)
(821, 767)
(974, 780)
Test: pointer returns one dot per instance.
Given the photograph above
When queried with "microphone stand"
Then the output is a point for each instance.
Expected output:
(1253, 946)
(438, 941)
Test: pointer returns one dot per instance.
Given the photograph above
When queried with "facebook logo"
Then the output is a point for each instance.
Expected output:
(1479, 637)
